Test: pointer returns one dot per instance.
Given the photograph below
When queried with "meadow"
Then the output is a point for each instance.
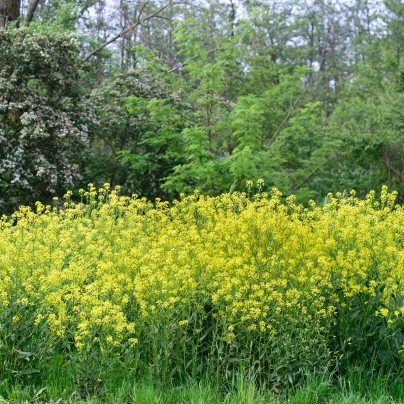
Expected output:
(248, 297)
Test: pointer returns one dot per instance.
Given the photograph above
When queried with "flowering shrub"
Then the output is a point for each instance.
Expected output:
(45, 118)
(207, 285)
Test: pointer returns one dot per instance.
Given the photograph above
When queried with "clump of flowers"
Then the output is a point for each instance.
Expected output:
(203, 285)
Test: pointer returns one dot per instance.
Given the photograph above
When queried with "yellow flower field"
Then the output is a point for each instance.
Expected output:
(205, 285)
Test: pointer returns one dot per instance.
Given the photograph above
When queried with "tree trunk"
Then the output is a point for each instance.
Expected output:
(33, 4)
(9, 11)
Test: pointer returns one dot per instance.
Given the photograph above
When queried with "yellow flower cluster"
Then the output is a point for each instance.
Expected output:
(106, 273)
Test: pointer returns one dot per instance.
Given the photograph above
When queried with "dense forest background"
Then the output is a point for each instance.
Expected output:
(165, 97)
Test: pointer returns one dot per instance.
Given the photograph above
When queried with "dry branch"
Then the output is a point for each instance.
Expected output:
(139, 21)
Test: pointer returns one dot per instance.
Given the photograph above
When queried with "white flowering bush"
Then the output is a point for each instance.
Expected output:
(44, 118)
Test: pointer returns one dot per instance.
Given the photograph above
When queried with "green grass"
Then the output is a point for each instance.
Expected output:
(357, 387)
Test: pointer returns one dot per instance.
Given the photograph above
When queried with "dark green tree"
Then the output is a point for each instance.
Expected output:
(141, 115)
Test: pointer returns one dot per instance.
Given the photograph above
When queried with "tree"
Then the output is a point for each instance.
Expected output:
(141, 115)
(9, 12)
(218, 91)
(211, 71)
(44, 118)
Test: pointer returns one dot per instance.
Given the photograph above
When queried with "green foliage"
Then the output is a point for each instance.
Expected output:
(275, 135)
(141, 115)
(368, 121)
(306, 95)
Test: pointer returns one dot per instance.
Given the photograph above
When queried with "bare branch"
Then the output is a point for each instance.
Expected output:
(138, 22)
(174, 69)
(291, 110)
(142, 9)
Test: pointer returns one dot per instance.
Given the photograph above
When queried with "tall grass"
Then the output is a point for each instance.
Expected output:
(323, 389)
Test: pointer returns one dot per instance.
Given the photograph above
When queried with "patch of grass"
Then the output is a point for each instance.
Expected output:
(357, 387)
